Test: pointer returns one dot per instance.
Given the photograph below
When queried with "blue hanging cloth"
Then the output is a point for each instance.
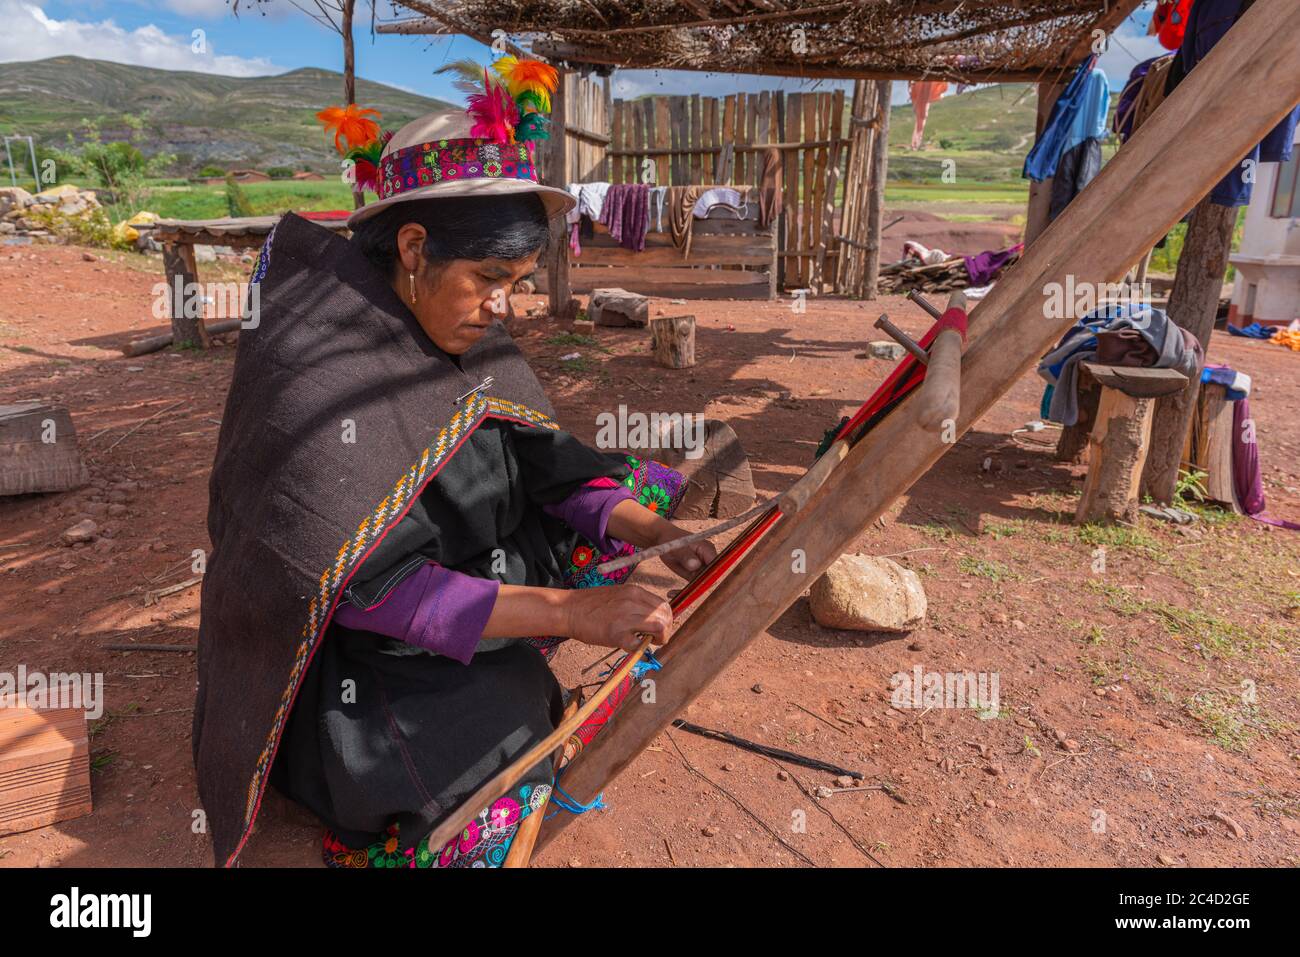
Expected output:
(1041, 162)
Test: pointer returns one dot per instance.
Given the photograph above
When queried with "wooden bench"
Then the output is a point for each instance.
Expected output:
(1120, 436)
(178, 238)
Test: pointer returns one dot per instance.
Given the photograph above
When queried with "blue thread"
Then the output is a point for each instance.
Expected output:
(647, 663)
(568, 803)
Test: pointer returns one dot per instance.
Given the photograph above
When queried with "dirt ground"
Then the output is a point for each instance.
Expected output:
(1123, 737)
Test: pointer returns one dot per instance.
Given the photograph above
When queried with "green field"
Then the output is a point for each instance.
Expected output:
(209, 202)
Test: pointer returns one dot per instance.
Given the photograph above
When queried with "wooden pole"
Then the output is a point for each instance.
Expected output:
(1040, 194)
(1139, 195)
(181, 271)
(876, 200)
(1193, 303)
(554, 172)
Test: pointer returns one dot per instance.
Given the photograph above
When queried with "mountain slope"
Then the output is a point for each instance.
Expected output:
(231, 121)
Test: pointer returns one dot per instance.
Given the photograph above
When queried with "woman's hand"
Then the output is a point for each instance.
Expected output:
(616, 616)
(634, 523)
(689, 559)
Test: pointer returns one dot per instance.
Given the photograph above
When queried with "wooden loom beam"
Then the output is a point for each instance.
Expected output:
(1153, 180)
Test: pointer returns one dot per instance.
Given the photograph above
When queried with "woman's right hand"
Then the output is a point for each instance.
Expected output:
(617, 616)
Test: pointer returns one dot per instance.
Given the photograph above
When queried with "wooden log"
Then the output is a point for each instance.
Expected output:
(182, 271)
(673, 340)
(140, 347)
(720, 483)
(1138, 196)
(1193, 303)
(44, 766)
(1117, 449)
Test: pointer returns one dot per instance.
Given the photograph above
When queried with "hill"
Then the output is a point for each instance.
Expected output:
(986, 131)
(202, 118)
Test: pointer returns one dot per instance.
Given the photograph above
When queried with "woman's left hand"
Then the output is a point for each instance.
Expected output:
(689, 559)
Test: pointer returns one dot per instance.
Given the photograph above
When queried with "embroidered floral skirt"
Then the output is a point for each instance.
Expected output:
(509, 675)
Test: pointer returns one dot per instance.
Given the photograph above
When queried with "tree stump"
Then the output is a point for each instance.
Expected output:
(673, 339)
(1210, 444)
(1117, 445)
(719, 483)
(38, 450)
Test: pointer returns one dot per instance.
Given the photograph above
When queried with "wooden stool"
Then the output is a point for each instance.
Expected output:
(1121, 433)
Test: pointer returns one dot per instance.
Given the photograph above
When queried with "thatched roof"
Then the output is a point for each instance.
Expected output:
(972, 40)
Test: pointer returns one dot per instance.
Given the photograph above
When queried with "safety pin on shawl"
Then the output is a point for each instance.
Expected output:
(481, 387)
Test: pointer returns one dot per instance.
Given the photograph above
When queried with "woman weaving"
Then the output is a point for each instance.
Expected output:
(401, 534)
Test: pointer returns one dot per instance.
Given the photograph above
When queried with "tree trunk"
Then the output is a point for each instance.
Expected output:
(350, 79)
(1193, 302)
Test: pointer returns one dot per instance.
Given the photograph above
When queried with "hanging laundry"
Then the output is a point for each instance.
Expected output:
(681, 207)
(1078, 114)
(723, 198)
(626, 214)
(1169, 21)
(1159, 343)
(984, 267)
(1207, 23)
(1078, 167)
(922, 94)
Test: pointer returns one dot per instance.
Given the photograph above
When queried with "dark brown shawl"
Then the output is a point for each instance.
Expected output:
(294, 509)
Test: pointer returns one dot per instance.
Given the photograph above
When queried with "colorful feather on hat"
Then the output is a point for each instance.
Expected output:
(365, 161)
(531, 84)
(494, 113)
(351, 126)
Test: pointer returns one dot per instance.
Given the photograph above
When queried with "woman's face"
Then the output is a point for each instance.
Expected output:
(456, 303)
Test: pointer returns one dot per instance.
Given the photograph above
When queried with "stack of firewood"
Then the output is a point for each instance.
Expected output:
(902, 277)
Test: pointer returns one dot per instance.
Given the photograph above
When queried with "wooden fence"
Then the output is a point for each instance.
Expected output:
(690, 140)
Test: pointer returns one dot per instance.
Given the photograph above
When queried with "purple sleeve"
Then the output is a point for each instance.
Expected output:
(435, 608)
(587, 512)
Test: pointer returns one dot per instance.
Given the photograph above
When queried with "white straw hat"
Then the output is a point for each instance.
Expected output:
(435, 156)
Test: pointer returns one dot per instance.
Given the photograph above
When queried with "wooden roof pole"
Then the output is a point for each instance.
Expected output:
(1226, 105)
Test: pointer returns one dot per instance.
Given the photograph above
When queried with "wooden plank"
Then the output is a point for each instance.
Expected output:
(876, 193)
(754, 254)
(618, 164)
(638, 172)
(817, 211)
(793, 130)
(663, 140)
(807, 198)
(753, 159)
(677, 130)
(1139, 195)
(696, 135)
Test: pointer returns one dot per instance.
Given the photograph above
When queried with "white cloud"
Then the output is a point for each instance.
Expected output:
(30, 34)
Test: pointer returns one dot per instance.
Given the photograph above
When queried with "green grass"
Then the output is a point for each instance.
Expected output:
(984, 568)
(209, 202)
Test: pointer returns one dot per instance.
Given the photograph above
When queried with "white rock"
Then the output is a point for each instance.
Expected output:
(83, 531)
(862, 593)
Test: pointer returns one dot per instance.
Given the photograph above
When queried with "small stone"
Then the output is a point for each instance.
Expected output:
(89, 257)
(83, 531)
(710, 831)
(729, 766)
(845, 781)
(1237, 830)
(1166, 860)
(757, 689)
(993, 770)
(990, 803)
(783, 775)
(574, 862)
(1070, 744)
(861, 593)
(916, 646)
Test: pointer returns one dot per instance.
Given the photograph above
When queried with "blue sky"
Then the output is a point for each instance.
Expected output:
(161, 33)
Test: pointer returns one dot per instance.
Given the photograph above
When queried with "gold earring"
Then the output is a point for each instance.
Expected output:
(412, 275)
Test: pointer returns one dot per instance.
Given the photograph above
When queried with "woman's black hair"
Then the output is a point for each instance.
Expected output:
(508, 226)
